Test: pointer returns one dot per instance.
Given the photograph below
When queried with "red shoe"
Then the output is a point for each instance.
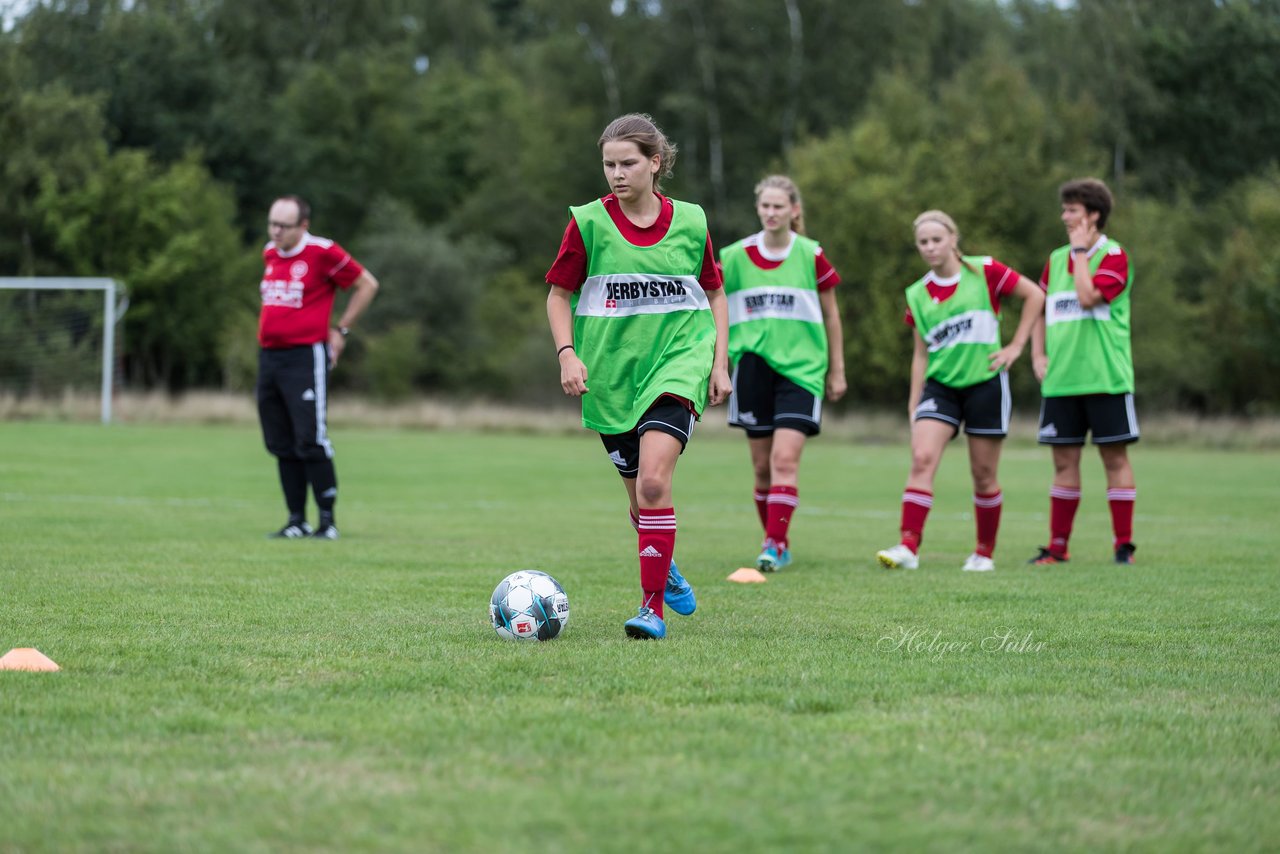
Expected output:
(1046, 557)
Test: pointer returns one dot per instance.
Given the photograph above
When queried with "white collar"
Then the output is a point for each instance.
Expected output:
(771, 256)
(302, 244)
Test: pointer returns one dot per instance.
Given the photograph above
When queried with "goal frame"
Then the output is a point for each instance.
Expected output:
(109, 287)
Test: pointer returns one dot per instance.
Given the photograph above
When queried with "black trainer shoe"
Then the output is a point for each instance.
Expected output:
(326, 532)
(1047, 558)
(1124, 553)
(292, 531)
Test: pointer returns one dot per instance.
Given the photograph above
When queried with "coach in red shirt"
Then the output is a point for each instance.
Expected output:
(299, 347)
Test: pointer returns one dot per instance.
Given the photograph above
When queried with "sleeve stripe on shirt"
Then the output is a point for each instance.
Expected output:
(344, 263)
(1008, 274)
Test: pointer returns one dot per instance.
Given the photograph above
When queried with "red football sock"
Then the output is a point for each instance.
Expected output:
(1121, 501)
(915, 509)
(782, 502)
(1063, 503)
(657, 543)
(635, 520)
(986, 515)
(762, 508)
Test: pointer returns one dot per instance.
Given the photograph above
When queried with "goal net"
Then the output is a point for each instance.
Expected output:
(58, 337)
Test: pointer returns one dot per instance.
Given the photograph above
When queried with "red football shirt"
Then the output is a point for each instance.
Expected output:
(1001, 281)
(298, 288)
(569, 270)
(827, 276)
(1112, 276)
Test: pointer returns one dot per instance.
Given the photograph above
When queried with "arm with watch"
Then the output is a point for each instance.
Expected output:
(363, 289)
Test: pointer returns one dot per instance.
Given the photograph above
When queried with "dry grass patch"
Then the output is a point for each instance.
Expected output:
(561, 416)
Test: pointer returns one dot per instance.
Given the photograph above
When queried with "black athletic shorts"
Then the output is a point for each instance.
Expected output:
(1110, 417)
(667, 414)
(983, 408)
(764, 400)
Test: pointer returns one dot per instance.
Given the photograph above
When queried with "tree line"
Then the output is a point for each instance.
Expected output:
(441, 141)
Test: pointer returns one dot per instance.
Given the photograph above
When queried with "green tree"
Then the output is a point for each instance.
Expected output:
(1241, 317)
(1173, 360)
(1189, 90)
(344, 134)
(985, 148)
(1217, 69)
(169, 233)
(52, 143)
(475, 123)
(432, 287)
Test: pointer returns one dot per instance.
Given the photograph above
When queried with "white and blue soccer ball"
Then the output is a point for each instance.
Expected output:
(528, 605)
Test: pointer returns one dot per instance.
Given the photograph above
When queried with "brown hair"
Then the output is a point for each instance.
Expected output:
(648, 137)
(944, 220)
(1090, 192)
(782, 182)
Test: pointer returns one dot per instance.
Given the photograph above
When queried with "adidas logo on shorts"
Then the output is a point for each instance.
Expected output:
(929, 405)
(1049, 431)
(616, 456)
(650, 551)
(747, 418)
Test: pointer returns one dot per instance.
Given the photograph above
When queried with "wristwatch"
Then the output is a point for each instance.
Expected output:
(343, 330)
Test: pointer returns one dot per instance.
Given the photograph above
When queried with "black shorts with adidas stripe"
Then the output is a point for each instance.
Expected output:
(1111, 418)
(982, 409)
(668, 414)
(764, 400)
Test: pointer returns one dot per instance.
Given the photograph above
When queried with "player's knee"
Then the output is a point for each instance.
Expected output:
(652, 489)
(923, 461)
(984, 479)
(785, 466)
(1115, 459)
(1066, 460)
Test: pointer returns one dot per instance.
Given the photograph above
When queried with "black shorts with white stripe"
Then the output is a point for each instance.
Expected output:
(1111, 418)
(983, 409)
(668, 415)
(764, 400)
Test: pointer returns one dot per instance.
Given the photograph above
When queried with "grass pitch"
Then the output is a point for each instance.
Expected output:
(224, 692)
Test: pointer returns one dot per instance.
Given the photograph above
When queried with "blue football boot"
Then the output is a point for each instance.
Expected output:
(679, 593)
(646, 625)
(773, 558)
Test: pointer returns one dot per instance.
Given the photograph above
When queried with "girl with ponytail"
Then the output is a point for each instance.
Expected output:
(959, 378)
(787, 350)
(638, 318)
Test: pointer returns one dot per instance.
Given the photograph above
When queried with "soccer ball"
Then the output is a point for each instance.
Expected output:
(528, 605)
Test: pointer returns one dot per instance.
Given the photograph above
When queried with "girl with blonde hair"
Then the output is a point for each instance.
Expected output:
(787, 350)
(959, 378)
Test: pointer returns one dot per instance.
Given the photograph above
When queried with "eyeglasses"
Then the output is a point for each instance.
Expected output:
(282, 225)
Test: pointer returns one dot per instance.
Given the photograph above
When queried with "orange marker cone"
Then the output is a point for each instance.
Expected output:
(26, 658)
(747, 575)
